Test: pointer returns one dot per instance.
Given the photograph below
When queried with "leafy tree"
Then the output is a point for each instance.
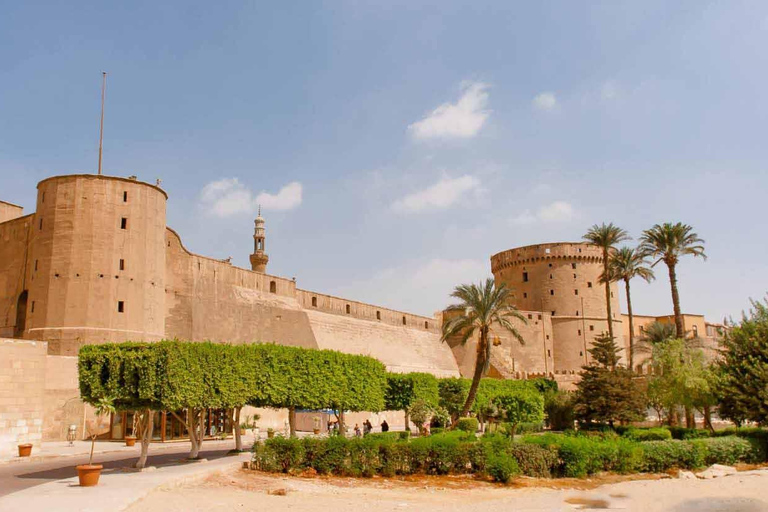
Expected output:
(626, 264)
(453, 393)
(481, 308)
(558, 409)
(403, 389)
(606, 237)
(607, 392)
(743, 386)
(521, 406)
(681, 377)
(668, 243)
(129, 376)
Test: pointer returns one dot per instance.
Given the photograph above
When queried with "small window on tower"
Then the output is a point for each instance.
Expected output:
(579, 332)
(577, 313)
(272, 287)
(549, 353)
(124, 223)
(404, 320)
(581, 353)
(573, 266)
(591, 327)
(525, 295)
(553, 313)
(589, 284)
(314, 302)
(348, 309)
(611, 294)
(32, 310)
(125, 197)
(575, 292)
(539, 317)
(120, 306)
(35, 265)
(525, 276)
(551, 292)
(550, 276)
(378, 315)
(122, 264)
(41, 224)
(426, 325)
(530, 316)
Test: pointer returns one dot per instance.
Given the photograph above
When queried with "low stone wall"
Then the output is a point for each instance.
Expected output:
(22, 388)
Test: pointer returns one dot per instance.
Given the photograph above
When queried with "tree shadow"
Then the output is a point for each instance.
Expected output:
(722, 505)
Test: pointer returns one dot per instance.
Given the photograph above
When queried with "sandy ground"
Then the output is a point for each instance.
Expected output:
(251, 491)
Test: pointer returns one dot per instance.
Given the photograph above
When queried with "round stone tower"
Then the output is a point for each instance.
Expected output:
(562, 279)
(97, 262)
(259, 258)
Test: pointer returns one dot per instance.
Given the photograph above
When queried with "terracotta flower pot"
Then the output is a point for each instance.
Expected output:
(316, 431)
(89, 474)
(130, 440)
(25, 450)
(270, 434)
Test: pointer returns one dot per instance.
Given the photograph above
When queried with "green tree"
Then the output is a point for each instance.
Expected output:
(403, 389)
(607, 392)
(520, 406)
(626, 264)
(681, 377)
(743, 385)
(481, 307)
(606, 237)
(668, 243)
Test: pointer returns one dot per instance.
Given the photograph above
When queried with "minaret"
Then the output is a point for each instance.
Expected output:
(259, 259)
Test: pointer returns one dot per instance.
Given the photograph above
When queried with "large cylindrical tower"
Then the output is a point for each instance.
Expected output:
(96, 262)
(562, 279)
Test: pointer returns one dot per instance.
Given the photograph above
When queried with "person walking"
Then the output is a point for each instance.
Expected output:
(384, 426)
(357, 431)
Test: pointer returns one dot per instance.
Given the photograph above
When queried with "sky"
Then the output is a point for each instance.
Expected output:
(395, 146)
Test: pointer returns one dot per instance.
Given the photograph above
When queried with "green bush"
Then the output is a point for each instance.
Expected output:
(647, 434)
(404, 435)
(534, 460)
(581, 455)
(502, 468)
(467, 424)
(682, 433)
(558, 410)
(436, 430)
(730, 450)
(527, 427)
(280, 454)
(660, 456)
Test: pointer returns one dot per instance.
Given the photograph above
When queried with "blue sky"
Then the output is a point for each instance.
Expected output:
(395, 146)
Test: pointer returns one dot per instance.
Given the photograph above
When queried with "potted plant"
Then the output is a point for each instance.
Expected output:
(89, 474)
(131, 439)
(25, 450)
(250, 424)
(316, 425)
(270, 433)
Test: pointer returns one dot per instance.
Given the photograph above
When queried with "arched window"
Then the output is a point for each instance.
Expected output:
(272, 287)
(695, 331)
(21, 315)
(314, 302)
(349, 309)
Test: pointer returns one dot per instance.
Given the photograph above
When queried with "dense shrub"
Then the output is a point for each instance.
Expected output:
(659, 456)
(558, 410)
(534, 460)
(580, 455)
(530, 427)
(683, 433)
(467, 424)
(502, 468)
(731, 450)
(647, 434)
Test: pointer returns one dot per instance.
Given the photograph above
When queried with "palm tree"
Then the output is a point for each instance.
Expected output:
(668, 242)
(482, 307)
(626, 264)
(606, 236)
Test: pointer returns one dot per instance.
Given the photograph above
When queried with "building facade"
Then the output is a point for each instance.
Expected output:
(96, 263)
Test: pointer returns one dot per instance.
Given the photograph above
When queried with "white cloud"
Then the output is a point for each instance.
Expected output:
(439, 196)
(558, 211)
(227, 197)
(288, 198)
(462, 119)
(545, 101)
(420, 286)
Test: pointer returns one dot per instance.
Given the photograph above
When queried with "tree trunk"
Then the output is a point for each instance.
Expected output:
(607, 292)
(708, 418)
(146, 425)
(631, 329)
(342, 423)
(407, 421)
(690, 418)
(292, 421)
(479, 366)
(236, 427)
(679, 329)
(192, 428)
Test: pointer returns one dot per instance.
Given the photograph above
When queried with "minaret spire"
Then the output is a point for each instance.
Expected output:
(259, 258)
(101, 124)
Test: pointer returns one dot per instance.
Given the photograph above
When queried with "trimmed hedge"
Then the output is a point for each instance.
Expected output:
(496, 456)
(467, 424)
(647, 434)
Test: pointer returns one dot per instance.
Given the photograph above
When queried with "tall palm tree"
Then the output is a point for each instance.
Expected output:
(626, 264)
(606, 236)
(668, 242)
(482, 307)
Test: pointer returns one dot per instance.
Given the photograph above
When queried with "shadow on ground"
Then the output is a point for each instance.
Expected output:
(67, 469)
(722, 505)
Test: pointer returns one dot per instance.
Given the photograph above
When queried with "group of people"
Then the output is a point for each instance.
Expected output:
(368, 428)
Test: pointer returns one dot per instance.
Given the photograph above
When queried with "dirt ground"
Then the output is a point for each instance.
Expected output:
(251, 491)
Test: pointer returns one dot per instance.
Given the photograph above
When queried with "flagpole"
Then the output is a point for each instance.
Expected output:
(101, 127)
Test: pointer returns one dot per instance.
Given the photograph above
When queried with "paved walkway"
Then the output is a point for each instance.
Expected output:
(51, 483)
